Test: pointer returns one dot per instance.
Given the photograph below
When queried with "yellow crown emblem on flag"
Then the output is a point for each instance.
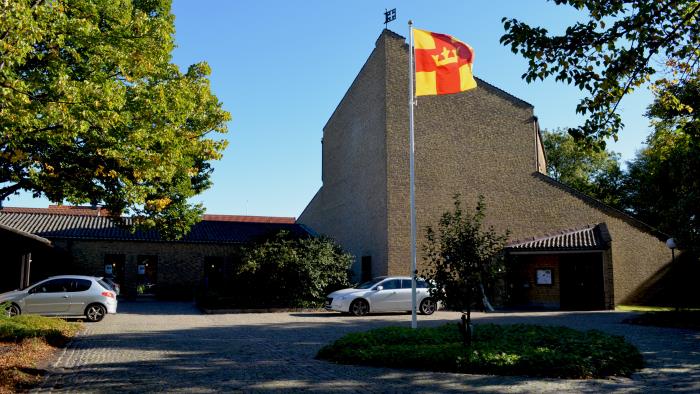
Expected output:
(448, 57)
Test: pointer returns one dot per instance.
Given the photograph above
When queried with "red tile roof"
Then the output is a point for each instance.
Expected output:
(249, 219)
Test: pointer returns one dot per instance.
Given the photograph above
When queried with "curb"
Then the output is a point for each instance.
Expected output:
(262, 310)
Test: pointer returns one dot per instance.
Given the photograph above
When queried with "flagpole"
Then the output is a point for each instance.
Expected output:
(411, 103)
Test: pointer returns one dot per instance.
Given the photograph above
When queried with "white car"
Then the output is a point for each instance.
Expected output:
(65, 295)
(382, 294)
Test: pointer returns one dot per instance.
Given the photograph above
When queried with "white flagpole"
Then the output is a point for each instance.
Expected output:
(411, 103)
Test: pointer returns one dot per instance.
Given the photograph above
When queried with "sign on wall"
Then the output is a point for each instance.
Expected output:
(544, 277)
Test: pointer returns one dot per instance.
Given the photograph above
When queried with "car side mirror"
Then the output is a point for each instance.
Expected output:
(379, 288)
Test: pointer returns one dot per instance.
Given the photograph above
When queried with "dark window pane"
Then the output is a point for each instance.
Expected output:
(392, 284)
(421, 284)
(405, 283)
(54, 286)
(81, 285)
(366, 269)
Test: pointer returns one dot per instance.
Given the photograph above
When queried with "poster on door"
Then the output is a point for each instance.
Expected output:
(141, 269)
(108, 269)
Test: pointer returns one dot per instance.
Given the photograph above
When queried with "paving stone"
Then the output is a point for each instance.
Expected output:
(172, 347)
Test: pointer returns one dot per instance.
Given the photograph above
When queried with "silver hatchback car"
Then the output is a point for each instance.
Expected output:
(65, 295)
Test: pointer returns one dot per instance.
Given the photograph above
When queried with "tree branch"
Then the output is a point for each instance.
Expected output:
(6, 191)
(652, 52)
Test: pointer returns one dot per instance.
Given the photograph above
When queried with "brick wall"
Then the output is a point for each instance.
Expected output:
(179, 264)
(351, 204)
(483, 142)
(478, 142)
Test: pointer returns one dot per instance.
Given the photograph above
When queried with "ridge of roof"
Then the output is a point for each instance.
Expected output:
(69, 210)
(601, 206)
(249, 219)
(51, 225)
(60, 210)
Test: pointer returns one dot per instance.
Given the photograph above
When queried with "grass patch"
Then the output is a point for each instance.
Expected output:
(519, 349)
(642, 308)
(689, 319)
(25, 342)
(14, 329)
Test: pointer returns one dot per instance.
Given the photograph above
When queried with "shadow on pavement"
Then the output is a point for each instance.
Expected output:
(269, 356)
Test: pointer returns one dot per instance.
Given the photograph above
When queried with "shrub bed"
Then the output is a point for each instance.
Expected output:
(496, 350)
(282, 271)
(14, 329)
(25, 342)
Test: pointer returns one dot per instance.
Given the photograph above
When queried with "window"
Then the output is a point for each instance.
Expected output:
(406, 284)
(53, 286)
(213, 266)
(366, 273)
(114, 265)
(421, 284)
(391, 284)
(80, 285)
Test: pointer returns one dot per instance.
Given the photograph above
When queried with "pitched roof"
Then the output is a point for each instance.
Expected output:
(212, 229)
(590, 237)
(601, 206)
(24, 234)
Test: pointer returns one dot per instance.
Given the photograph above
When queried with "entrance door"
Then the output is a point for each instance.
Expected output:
(147, 274)
(582, 281)
(114, 268)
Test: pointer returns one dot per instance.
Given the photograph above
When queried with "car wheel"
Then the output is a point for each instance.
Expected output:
(12, 310)
(427, 306)
(359, 308)
(95, 312)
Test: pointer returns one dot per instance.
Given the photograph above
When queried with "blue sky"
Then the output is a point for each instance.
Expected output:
(281, 67)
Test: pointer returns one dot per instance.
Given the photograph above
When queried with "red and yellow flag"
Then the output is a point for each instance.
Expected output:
(443, 64)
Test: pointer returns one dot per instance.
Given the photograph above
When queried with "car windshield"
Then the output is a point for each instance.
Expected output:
(369, 283)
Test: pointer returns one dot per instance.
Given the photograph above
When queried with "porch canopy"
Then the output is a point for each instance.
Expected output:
(16, 247)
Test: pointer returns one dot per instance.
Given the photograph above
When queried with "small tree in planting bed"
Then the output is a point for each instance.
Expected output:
(463, 258)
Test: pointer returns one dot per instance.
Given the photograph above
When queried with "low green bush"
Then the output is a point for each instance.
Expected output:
(282, 271)
(496, 350)
(17, 328)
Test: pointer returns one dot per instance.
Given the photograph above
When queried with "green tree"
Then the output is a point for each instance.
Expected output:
(621, 46)
(92, 110)
(596, 173)
(285, 271)
(463, 258)
(663, 181)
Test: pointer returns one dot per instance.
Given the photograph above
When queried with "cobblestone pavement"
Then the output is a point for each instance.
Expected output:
(172, 347)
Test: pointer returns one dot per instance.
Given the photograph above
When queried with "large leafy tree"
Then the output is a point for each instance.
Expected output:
(663, 182)
(621, 46)
(93, 110)
(463, 258)
(596, 173)
(283, 271)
